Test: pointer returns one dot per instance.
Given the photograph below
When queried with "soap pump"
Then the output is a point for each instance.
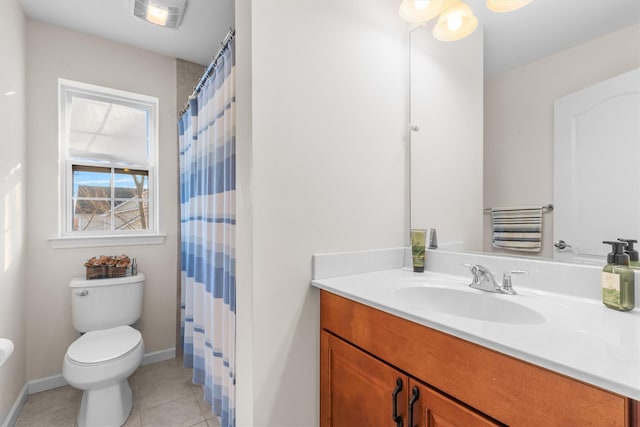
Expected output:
(634, 259)
(617, 279)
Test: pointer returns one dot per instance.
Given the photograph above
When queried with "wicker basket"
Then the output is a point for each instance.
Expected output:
(105, 271)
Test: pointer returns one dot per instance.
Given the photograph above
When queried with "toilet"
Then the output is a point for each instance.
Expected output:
(108, 351)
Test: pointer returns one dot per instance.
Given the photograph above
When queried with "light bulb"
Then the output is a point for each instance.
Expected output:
(421, 4)
(454, 23)
(157, 15)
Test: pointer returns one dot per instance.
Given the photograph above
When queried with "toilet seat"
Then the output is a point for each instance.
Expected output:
(104, 345)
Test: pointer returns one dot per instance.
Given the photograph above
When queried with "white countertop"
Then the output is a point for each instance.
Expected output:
(580, 337)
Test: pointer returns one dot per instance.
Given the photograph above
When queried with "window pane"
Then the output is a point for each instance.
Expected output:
(131, 197)
(91, 182)
(131, 183)
(92, 215)
(131, 215)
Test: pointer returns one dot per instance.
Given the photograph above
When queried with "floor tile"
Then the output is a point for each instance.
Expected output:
(153, 393)
(51, 408)
(162, 395)
(183, 412)
(213, 422)
(205, 407)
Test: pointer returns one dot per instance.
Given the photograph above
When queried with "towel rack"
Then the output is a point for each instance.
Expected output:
(548, 207)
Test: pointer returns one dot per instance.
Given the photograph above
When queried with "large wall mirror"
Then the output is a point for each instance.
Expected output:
(482, 113)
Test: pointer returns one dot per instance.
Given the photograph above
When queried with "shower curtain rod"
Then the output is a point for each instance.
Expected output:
(212, 65)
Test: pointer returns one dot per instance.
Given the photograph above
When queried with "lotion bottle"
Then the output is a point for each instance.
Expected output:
(418, 243)
(617, 279)
(634, 259)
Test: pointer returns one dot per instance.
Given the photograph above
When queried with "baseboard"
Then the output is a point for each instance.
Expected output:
(12, 416)
(54, 381)
(159, 356)
(44, 384)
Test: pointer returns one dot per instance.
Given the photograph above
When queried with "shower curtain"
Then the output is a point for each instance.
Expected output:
(207, 205)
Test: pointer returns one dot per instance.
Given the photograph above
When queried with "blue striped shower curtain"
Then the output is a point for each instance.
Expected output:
(208, 218)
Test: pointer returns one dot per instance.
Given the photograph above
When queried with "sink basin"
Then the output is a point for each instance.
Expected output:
(470, 304)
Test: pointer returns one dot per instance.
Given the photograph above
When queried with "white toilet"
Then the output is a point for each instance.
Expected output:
(109, 351)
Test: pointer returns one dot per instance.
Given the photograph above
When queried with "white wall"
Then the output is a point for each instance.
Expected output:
(518, 148)
(12, 202)
(328, 173)
(244, 218)
(446, 151)
(53, 52)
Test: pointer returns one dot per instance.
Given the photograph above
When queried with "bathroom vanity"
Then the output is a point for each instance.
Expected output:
(364, 351)
(388, 358)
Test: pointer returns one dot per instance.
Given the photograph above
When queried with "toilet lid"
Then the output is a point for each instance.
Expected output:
(104, 345)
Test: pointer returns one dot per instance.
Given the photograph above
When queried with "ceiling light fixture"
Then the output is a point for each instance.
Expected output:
(423, 10)
(455, 23)
(506, 5)
(456, 19)
(165, 13)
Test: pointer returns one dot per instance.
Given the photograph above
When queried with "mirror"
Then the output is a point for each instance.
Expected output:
(492, 146)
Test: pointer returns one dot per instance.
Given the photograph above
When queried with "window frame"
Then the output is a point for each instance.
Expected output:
(67, 89)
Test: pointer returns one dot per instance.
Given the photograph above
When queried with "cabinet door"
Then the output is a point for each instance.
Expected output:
(357, 389)
(429, 408)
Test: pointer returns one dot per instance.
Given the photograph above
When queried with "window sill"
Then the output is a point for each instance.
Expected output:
(97, 241)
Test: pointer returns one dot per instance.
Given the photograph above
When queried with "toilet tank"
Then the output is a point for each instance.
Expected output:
(105, 303)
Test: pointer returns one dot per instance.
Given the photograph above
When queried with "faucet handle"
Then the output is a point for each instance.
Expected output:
(479, 270)
(475, 270)
(507, 286)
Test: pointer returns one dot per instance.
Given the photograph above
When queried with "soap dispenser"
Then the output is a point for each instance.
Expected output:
(634, 261)
(617, 279)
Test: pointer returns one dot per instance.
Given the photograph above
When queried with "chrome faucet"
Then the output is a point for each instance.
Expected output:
(484, 280)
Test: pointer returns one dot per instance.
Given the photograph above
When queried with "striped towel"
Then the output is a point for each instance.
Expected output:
(517, 229)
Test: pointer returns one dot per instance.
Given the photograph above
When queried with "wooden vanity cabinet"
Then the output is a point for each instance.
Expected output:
(365, 351)
(360, 390)
(432, 409)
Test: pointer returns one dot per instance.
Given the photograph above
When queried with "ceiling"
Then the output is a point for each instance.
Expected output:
(198, 38)
(547, 26)
(516, 38)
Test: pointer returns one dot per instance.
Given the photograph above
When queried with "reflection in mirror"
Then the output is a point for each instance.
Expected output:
(446, 140)
(596, 154)
(505, 157)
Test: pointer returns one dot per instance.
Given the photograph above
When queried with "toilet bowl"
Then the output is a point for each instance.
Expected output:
(99, 362)
(109, 351)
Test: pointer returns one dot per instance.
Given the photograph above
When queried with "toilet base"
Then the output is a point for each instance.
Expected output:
(108, 406)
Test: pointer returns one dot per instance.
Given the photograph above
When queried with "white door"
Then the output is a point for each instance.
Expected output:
(596, 178)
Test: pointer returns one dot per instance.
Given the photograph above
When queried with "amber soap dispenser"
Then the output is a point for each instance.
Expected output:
(617, 279)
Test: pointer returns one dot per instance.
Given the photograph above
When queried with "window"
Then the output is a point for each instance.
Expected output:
(107, 145)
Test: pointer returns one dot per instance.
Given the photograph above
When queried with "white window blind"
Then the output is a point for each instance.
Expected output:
(108, 131)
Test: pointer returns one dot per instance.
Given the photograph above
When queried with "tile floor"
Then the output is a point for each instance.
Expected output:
(162, 396)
